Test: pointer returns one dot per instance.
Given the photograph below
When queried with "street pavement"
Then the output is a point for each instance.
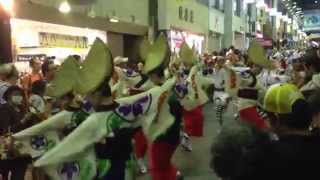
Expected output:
(195, 165)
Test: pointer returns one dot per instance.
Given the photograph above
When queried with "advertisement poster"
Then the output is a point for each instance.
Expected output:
(311, 20)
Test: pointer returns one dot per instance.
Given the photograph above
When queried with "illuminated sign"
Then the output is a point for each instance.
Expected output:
(311, 20)
(60, 40)
(177, 37)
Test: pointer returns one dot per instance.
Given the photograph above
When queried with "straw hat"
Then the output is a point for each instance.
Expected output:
(257, 55)
(85, 77)
(157, 55)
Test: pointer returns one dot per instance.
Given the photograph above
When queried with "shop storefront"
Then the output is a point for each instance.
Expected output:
(184, 21)
(41, 30)
(177, 37)
(38, 39)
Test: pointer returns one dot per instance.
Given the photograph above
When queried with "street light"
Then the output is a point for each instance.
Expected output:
(65, 7)
(261, 4)
(114, 20)
(273, 12)
(7, 5)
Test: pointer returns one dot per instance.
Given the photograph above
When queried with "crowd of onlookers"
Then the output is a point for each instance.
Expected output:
(23, 104)
(288, 147)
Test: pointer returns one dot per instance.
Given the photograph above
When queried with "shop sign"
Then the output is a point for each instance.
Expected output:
(186, 14)
(28, 57)
(311, 20)
(177, 37)
(63, 41)
(265, 42)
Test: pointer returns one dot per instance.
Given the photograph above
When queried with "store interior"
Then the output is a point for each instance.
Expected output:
(33, 39)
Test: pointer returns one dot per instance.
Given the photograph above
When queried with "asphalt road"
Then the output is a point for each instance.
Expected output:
(195, 165)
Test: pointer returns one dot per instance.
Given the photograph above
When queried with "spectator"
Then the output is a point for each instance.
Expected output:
(8, 76)
(48, 69)
(13, 119)
(228, 149)
(37, 103)
(292, 155)
(35, 75)
(314, 103)
(312, 69)
(77, 57)
(11, 112)
(298, 75)
(214, 53)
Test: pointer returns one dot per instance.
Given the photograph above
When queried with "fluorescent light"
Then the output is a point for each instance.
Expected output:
(261, 4)
(249, 1)
(279, 14)
(268, 10)
(273, 12)
(285, 18)
(114, 20)
(7, 6)
(65, 7)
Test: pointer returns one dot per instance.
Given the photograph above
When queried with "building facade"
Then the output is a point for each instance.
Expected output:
(122, 24)
(206, 25)
(184, 20)
(216, 25)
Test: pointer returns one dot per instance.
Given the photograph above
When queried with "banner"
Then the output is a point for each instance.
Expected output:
(64, 41)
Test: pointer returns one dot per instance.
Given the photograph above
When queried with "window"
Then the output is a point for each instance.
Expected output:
(222, 5)
(191, 17)
(245, 7)
(237, 7)
(186, 14)
(249, 8)
(217, 4)
(180, 13)
(204, 2)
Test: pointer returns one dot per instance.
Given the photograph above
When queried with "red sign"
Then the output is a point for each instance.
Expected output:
(265, 42)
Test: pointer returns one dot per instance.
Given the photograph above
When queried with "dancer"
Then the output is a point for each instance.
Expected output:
(42, 137)
(106, 125)
(221, 98)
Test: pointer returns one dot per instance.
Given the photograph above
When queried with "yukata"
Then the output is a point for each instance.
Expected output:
(99, 135)
(192, 117)
(194, 101)
(40, 138)
(163, 148)
(140, 140)
(114, 153)
(249, 108)
(220, 97)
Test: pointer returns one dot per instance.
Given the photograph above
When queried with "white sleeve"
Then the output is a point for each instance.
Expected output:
(37, 104)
